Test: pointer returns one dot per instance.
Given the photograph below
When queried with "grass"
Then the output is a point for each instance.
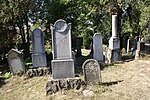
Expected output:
(121, 81)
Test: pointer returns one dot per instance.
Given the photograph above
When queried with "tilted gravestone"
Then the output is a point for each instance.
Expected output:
(62, 63)
(114, 42)
(91, 71)
(98, 47)
(15, 61)
(38, 49)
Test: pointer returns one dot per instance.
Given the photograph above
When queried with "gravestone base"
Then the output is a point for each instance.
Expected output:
(113, 55)
(39, 60)
(62, 68)
(114, 43)
(41, 71)
(55, 85)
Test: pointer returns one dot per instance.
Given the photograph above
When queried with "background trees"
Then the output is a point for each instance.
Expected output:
(86, 16)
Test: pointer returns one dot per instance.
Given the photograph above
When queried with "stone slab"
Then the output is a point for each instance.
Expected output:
(114, 43)
(39, 60)
(98, 47)
(62, 68)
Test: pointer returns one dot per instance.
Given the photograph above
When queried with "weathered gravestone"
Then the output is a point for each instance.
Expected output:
(98, 47)
(38, 56)
(114, 53)
(15, 61)
(62, 64)
(91, 71)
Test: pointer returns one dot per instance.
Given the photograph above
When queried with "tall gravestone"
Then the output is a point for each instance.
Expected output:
(62, 63)
(114, 42)
(98, 47)
(38, 49)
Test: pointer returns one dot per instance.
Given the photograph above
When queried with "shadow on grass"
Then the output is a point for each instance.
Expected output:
(2, 81)
(79, 61)
(111, 83)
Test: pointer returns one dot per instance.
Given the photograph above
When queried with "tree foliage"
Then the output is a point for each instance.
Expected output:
(86, 16)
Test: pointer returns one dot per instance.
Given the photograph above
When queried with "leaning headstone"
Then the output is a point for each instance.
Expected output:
(15, 61)
(91, 71)
(114, 42)
(38, 56)
(63, 76)
(98, 47)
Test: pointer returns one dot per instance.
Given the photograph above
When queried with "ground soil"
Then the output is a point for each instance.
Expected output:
(123, 81)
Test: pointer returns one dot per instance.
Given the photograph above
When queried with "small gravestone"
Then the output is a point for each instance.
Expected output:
(38, 56)
(15, 61)
(98, 47)
(140, 49)
(91, 71)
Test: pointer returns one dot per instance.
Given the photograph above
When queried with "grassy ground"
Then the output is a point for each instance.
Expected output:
(124, 81)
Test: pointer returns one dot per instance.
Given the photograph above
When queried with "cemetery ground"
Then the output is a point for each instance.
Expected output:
(127, 80)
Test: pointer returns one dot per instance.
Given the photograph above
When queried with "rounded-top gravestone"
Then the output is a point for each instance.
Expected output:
(91, 71)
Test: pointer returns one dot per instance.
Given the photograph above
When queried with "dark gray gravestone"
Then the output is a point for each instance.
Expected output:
(91, 71)
(38, 56)
(98, 47)
(62, 63)
(15, 61)
(78, 45)
(141, 45)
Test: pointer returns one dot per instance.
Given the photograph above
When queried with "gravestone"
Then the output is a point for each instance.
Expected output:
(91, 71)
(62, 63)
(78, 41)
(15, 61)
(114, 42)
(148, 35)
(98, 47)
(38, 49)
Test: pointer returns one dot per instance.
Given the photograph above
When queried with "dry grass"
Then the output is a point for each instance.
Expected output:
(126, 81)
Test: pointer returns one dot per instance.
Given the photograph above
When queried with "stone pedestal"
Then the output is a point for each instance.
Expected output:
(39, 60)
(62, 68)
(55, 85)
(114, 48)
(114, 43)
